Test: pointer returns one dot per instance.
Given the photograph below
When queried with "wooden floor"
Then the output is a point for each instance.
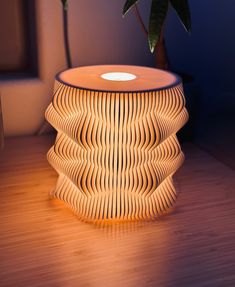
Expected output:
(42, 243)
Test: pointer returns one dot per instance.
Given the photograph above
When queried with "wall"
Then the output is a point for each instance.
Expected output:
(207, 55)
(98, 35)
(24, 101)
(11, 48)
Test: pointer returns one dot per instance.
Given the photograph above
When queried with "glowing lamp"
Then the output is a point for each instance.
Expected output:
(116, 149)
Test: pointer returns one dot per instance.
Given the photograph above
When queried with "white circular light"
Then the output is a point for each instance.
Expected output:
(118, 76)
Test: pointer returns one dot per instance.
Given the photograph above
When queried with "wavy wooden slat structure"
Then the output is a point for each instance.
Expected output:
(116, 148)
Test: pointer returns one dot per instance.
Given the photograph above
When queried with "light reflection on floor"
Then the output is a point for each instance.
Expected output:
(123, 254)
(42, 242)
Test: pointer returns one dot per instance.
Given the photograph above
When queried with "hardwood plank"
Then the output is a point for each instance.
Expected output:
(42, 243)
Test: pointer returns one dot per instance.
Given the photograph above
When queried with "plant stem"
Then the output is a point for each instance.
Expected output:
(137, 13)
(45, 127)
(160, 49)
(162, 61)
(66, 38)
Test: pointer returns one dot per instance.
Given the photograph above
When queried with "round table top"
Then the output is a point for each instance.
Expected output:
(118, 78)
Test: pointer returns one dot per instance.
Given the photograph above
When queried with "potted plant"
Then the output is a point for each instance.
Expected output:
(155, 36)
(155, 31)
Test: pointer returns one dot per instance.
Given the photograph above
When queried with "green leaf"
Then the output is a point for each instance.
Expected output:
(182, 9)
(157, 17)
(65, 4)
(128, 5)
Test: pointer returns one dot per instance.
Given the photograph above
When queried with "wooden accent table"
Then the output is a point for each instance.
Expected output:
(116, 149)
